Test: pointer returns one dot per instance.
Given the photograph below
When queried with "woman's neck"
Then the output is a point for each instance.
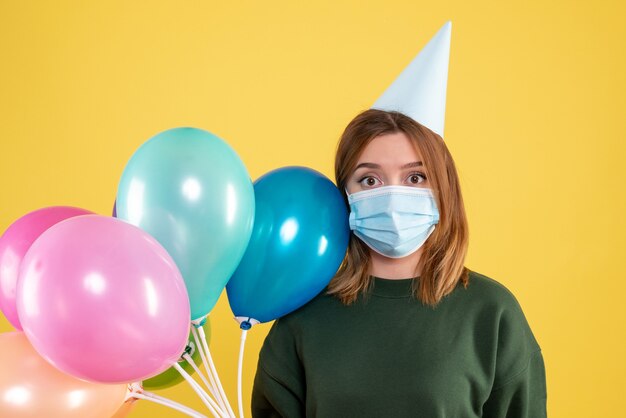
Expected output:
(395, 268)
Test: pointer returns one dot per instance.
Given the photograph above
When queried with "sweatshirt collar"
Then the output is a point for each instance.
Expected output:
(392, 288)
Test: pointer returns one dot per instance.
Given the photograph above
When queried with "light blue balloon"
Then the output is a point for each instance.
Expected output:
(299, 239)
(191, 191)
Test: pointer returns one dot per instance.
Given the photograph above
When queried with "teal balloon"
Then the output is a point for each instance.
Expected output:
(190, 190)
(299, 240)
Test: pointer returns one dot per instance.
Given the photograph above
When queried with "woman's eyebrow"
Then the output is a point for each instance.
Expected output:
(374, 165)
(367, 165)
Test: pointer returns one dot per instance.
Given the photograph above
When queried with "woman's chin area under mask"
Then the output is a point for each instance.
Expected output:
(395, 268)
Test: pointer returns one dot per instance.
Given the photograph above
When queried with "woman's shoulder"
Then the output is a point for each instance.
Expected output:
(320, 308)
(501, 305)
(490, 291)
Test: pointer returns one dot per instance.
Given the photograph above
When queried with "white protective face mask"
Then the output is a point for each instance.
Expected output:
(394, 221)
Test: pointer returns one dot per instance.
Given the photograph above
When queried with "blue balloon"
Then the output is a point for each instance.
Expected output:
(299, 239)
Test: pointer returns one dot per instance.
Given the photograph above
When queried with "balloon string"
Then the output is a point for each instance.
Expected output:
(213, 370)
(213, 387)
(244, 332)
(193, 364)
(155, 396)
(169, 403)
(206, 399)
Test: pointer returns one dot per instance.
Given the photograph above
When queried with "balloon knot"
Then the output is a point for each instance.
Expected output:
(189, 349)
(199, 322)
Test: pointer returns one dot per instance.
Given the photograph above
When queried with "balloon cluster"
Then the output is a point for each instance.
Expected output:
(102, 303)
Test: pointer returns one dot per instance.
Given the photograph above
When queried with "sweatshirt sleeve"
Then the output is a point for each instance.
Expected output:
(279, 385)
(523, 396)
(519, 387)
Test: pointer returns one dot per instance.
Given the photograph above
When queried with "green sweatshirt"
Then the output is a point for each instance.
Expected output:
(388, 355)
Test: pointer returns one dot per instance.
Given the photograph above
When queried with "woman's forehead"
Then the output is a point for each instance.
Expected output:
(391, 150)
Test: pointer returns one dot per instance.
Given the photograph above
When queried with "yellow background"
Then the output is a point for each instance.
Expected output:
(535, 121)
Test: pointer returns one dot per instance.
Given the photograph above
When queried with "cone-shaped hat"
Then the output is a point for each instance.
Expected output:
(420, 90)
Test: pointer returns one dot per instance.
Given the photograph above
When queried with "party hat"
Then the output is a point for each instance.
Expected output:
(420, 90)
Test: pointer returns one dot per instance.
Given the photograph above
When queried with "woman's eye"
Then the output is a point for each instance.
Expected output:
(368, 181)
(417, 178)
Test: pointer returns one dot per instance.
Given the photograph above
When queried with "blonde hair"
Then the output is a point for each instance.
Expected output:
(444, 251)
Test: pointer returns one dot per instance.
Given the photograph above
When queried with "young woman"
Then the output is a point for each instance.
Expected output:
(403, 329)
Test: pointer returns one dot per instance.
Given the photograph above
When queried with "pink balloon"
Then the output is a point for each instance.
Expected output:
(102, 300)
(14, 244)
